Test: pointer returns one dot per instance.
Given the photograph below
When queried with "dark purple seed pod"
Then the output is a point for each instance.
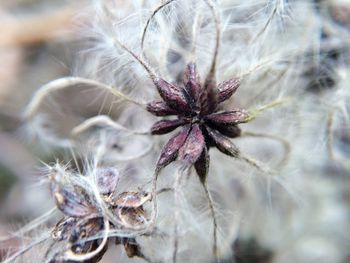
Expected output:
(229, 130)
(193, 146)
(171, 149)
(227, 89)
(160, 108)
(223, 143)
(107, 179)
(228, 117)
(165, 126)
(172, 95)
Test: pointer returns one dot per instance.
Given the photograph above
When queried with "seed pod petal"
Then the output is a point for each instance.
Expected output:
(165, 126)
(202, 165)
(192, 83)
(222, 143)
(107, 179)
(193, 147)
(172, 95)
(229, 130)
(171, 149)
(160, 108)
(227, 88)
(72, 201)
(228, 117)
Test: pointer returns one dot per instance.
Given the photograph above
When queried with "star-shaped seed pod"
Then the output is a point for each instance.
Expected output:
(197, 109)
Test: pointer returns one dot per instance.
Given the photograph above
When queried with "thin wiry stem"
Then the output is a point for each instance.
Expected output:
(273, 13)
(69, 83)
(211, 75)
(254, 113)
(143, 63)
(285, 143)
(155, 11)
(254, 163)
(215, 225)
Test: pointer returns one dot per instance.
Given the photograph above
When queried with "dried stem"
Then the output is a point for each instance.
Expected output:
(68, 83)
(215, 225)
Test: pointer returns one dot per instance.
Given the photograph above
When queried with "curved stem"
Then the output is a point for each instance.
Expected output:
(285, 143)
(69, 83)
(155, 11)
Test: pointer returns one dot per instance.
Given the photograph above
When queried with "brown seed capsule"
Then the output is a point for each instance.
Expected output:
(63, 228)
(131, 217)
(132, 199)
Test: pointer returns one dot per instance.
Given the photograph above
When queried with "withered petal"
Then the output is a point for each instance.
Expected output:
(223, 143)
(192, 83)
(172, 95)
(193, 146)
(228, 88)
(229, 130)
(228, 117)
(107, 179)
(202, 165)
(160, 108)
(72, 201)
(165, 126)
(171, 149)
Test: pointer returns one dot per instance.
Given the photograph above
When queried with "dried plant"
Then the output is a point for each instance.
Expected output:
(137, 67)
